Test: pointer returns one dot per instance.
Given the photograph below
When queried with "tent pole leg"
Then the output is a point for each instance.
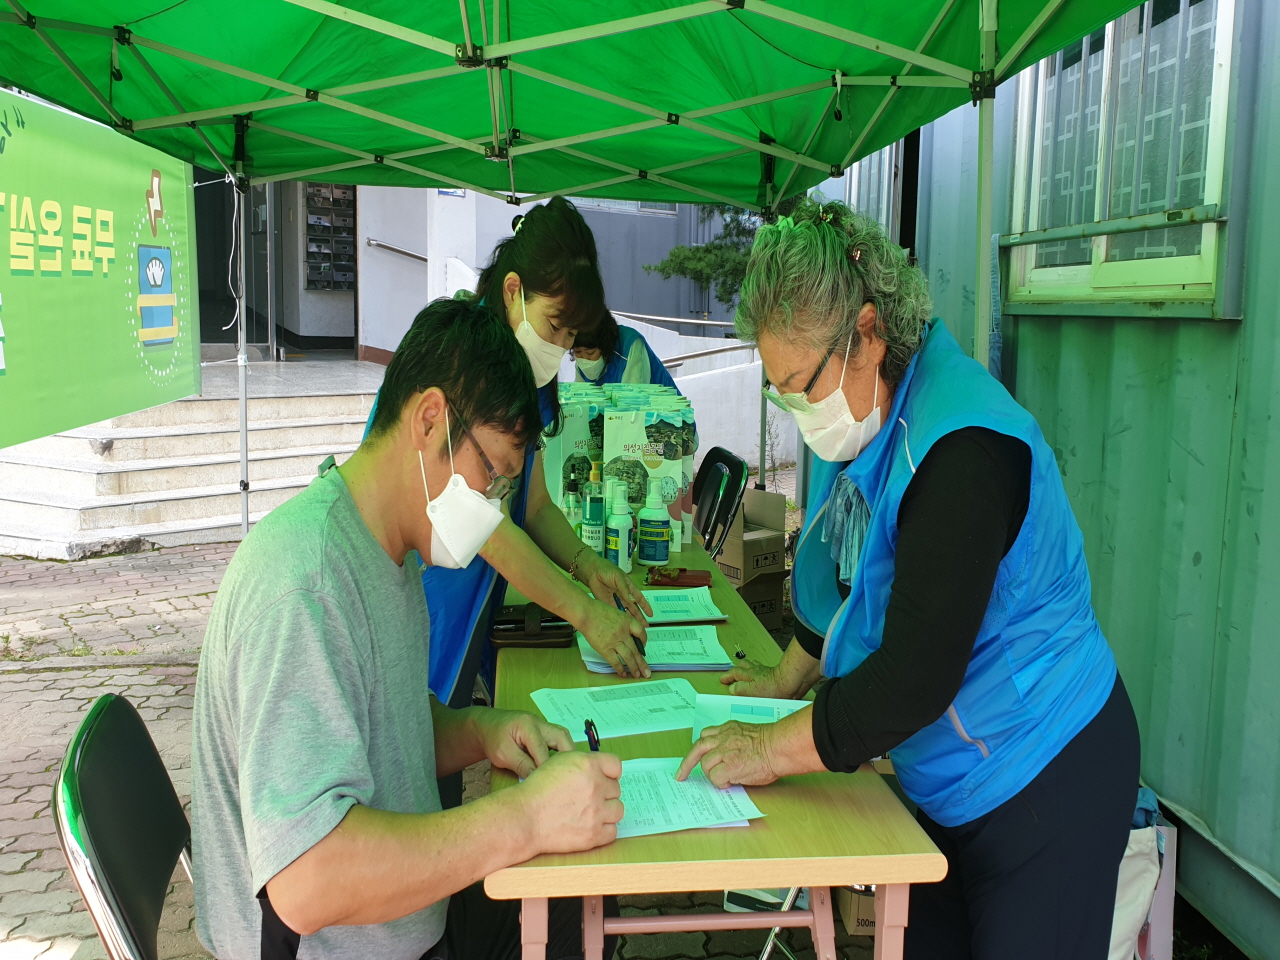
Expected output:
(982, 285)
(242, 359)
(986, 161)
(764, 421)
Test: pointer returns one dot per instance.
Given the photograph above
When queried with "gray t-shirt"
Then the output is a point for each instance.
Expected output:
(311, 698)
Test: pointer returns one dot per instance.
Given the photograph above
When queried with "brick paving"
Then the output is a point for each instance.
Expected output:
(133, 625)
(155, 602)
(41, 913)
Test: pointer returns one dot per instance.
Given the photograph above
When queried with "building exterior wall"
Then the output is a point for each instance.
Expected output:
(458, 235)
(1167, 433)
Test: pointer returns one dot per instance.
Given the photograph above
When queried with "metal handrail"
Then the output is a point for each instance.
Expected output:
(1205, 213)
(394, 249)
(672, 362)
(699, 323)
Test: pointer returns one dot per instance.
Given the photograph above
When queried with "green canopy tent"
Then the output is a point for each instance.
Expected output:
(742, 102)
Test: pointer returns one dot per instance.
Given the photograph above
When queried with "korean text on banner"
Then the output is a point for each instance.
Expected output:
(98, 301)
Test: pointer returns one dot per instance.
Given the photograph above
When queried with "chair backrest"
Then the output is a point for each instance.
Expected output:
(121, 826)
(717, 492)
(715, 479)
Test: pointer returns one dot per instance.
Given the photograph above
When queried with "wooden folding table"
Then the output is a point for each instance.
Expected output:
(820, 830)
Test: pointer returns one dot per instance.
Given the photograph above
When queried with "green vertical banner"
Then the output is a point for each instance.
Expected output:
(98, 308)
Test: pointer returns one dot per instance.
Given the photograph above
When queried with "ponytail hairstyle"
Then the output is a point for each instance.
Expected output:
(810, 273)
(553, 252)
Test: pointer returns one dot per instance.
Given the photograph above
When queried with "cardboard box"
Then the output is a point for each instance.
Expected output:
(764, 598)
(756, 544)
(858, 910)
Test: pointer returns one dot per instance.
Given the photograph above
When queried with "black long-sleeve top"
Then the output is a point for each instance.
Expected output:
(958, 517)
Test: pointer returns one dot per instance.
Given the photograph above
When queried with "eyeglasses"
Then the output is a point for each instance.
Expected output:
(500, 487)
(799, 402)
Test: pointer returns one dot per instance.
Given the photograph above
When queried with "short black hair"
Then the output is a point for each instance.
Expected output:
(467, 351)
(603, 338)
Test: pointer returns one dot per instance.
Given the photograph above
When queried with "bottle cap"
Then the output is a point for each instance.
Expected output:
(595, 472)
(620, 500)
(653, 501)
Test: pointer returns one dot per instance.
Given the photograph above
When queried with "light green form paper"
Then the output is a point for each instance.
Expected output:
(620, 710)
(655, 802)
(711, 710)
(683, 605)
(669, 648)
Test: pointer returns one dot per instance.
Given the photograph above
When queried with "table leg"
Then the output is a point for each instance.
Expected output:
(593, 928)
(892, 900)
(824, 933)
(533, 928)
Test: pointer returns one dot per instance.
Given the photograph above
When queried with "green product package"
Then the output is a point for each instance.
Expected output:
(640, 444)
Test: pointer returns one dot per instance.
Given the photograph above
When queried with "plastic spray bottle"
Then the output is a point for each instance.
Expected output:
(619, 532)
(572, 505)
(593, 514)
(654, 528)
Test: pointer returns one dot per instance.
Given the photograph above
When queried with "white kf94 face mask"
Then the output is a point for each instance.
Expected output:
(462, 519)
(829, 428)
(544, 357)
(591, 368)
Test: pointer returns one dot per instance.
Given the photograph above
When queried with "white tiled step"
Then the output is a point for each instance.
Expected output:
(58, 517)
(38, 479)
(204, 411)
(114, 445)
(91, 543)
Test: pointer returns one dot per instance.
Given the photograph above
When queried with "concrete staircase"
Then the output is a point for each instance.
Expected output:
(168, 475)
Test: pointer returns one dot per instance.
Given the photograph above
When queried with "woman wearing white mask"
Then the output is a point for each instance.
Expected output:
(544, 283)
(617, 353)
(940, 582)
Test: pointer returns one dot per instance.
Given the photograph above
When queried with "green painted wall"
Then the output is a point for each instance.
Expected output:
(1139, 415)
(1167, 433)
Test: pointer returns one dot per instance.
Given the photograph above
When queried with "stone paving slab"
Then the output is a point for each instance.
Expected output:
(152, 602)
(41, 913)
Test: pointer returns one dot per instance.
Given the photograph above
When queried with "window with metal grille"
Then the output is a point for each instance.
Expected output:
(1127, 122)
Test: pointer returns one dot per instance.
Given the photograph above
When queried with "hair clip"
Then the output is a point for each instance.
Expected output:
(857, 254)
(516, 223)
(825, 216)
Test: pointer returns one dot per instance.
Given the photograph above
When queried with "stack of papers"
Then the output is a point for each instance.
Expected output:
(669, 648)
(620, 710)
(711, 710)
(655, 802)
(683, 605)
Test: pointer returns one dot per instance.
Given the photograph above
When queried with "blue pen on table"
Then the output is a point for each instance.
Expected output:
(634, 639)
(593, 736)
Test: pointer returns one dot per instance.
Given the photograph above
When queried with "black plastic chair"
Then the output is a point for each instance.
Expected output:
(121, 826)
(717, 495)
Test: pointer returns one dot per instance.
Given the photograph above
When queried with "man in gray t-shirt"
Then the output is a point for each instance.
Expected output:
(317, 828)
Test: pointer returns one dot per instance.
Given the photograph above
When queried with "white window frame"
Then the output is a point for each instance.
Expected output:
(625, 206)
(1166, 278)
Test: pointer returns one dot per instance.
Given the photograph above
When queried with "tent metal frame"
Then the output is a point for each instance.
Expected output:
(505, 144)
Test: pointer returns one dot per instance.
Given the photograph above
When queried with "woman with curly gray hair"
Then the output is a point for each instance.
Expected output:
(940, 582)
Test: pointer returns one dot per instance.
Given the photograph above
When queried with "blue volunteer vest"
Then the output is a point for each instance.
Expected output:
(617, 365)
(458, 600)
(1040, 669)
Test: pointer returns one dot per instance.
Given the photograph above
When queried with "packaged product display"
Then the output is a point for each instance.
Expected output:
(637, 436)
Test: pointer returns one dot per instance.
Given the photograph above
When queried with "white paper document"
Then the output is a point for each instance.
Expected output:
(683, 605)
(655, 802)
(711, 710)
(669, 648)
(621, 710)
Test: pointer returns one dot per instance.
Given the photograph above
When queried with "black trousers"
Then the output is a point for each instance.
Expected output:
(482, 929)
(1037, 875)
